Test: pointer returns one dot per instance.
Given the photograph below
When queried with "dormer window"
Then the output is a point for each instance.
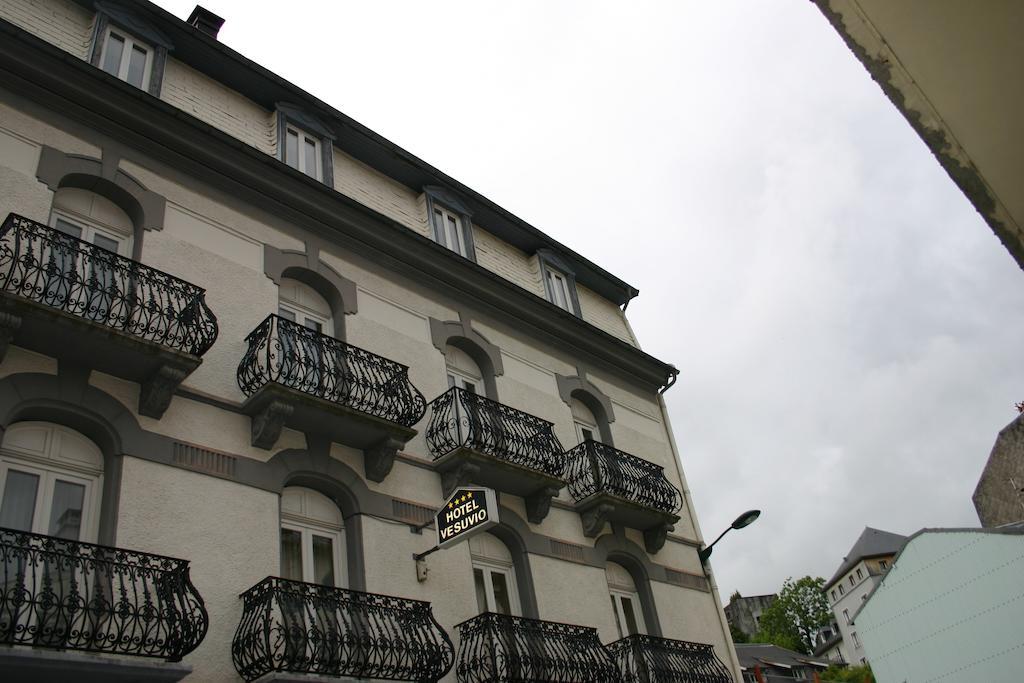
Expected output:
(305, 143)
(450, 221)
(302, 151)
(450, 231)
(559, 281)
(128, 58)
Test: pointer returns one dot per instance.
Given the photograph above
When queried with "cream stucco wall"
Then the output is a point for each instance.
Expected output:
(953, 69)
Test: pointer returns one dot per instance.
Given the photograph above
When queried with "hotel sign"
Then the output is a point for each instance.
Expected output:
(468, 510)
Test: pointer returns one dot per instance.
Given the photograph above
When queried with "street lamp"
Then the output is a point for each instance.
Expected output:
(746, 519)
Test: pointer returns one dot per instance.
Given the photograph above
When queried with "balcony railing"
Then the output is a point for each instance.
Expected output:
(598, 468)
(463, 419)
(496, 648)
(49, 267)
(647, 659)
(305, 628)
(69, 595)
(305, 360)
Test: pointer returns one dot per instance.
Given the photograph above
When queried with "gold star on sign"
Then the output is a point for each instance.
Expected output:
(469, 494)
(449, 506)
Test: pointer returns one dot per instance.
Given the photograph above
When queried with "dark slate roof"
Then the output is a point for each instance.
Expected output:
(872, 543)
(764, 654)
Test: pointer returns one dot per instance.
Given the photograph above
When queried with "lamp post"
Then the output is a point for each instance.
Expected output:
(746, 519)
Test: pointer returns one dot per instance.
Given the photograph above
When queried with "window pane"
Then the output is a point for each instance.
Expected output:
(137, 67)
(291, 554)
(469, 386)
(310, 159)
(69, 228)
(66, 510)
(314, 325)
(618, 621)
(286, 314)
(105, 242)
(291, 149)
(112, 59)
(501, 600)
(19, 503)
(439, 222)
(454, 241)
(628, 610)
(481, 590)
(323, 561)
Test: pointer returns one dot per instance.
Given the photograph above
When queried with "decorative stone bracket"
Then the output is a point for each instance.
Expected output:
(595, 518)
(268, 423)
(654, 538)
(462, 475)
(538, 504)
(159, 388)
(379, 458)
(9, 324)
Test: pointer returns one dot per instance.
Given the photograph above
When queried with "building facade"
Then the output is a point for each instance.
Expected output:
(999, 496)
(776, 664)
(248, 347)
(744, 613)
(862, 568)
(952, 72)
(949, 609)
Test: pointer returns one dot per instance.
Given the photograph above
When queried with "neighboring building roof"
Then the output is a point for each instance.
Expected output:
(872, 543)
(1010, 529)
(766, 654)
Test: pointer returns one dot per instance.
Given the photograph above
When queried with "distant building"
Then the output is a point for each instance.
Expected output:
(949, 609)
(999, 496)
(776, 663)
(827, 644)
(861, 569)
(953, 70)
(744, 614)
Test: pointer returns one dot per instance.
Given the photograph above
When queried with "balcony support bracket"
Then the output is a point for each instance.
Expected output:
(461, 475)
(654, 538)
(379, 458)
(268, 423)
(594, 518)
(159, 388)
(9, 324)
(538, 504)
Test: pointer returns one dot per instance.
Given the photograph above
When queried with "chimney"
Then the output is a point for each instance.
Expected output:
(206, 21)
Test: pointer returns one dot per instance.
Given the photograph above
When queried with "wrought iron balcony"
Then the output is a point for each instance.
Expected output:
(69, 595)
(648, 659)
(47, 266)
(611, 485)
(288, 367)
(53, 284)
(497, 648)
(477, 440)
(303, 628)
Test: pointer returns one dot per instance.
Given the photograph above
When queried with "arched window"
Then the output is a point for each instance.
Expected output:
(494, 575)
(584, 421)
(50, 481)
(92, 218)
(463, 371)
(625, 600)
(312, 538)
(301, 304)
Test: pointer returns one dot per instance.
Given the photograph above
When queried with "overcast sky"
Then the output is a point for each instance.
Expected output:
(847, 327)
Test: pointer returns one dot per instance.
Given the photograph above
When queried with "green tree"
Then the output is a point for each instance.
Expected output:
(796, 615)
(847, 674)
(738, 636)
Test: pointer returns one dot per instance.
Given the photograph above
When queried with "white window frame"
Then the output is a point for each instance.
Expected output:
(90, 228)
(883, 564)
(846, 614)
(306, 532)
(558, 284)
(441, 218)
(490, 568)
(130, 43)
(620, 612)
(856, 640)
(300, 163)
(304, 316)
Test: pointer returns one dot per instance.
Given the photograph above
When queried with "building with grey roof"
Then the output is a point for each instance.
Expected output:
(776, 663)
(858, 573)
